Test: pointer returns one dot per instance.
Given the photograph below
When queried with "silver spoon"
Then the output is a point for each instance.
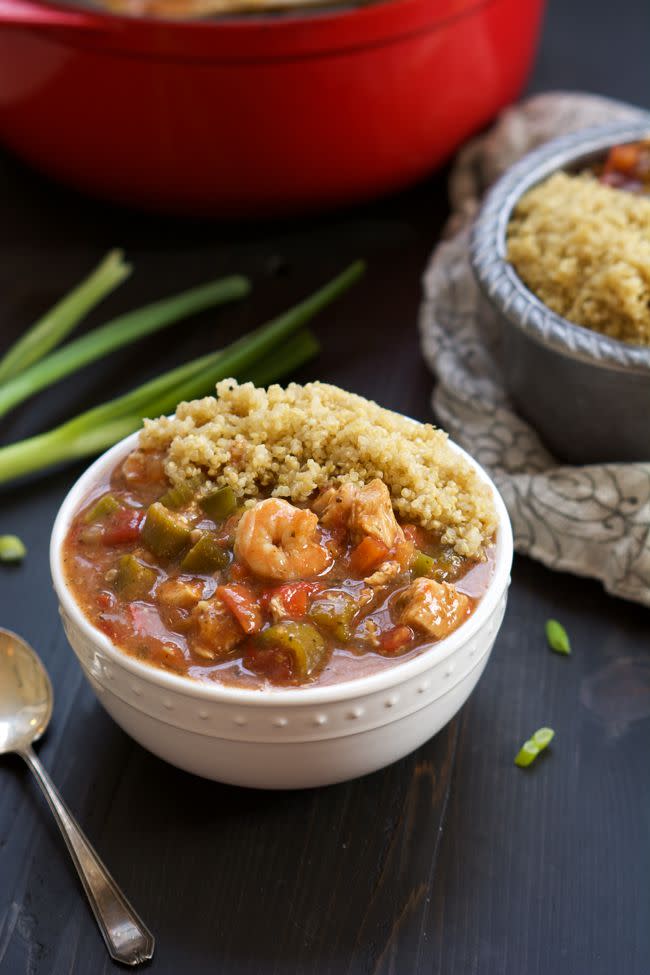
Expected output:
(25, 710)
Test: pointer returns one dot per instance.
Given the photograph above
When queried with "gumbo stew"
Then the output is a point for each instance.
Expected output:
(206, 586)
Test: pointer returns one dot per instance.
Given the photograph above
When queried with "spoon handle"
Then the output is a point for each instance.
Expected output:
(128, 940)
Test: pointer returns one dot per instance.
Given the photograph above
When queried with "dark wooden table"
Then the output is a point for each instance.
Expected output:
(452, 861)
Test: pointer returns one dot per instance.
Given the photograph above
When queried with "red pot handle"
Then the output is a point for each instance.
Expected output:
(24, 13)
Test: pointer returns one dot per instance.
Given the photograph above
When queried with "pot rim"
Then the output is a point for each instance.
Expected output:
(500, 282)
(292, 697)
(245, 37)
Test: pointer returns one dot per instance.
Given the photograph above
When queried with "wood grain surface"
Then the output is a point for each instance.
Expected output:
(450, 862)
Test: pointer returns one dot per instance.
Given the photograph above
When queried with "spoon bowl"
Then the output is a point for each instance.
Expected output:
(25, 694)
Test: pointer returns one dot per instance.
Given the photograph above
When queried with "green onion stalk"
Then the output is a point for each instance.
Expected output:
(263, 356)
(117, 333)
(50, 330)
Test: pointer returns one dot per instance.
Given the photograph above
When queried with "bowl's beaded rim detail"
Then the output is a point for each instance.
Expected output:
(300, 723)
(498, 279)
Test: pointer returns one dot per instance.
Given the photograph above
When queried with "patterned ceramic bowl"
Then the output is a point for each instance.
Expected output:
(282, 738)
(586, 394)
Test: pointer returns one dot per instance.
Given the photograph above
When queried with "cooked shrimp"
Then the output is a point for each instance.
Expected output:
(279, 541)
(372, 514)
(434, 608)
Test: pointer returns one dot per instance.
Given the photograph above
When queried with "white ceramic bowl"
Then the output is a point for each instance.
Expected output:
(282, 738)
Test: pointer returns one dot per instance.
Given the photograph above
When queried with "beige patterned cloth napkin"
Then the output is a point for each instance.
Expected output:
(593, 520)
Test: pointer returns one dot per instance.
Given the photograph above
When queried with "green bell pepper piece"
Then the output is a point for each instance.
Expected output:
(179, 495)
(134, 580)
(164, 533)
(219, 504)
(303, 641)
(444, 565)
(205, 556)
(421, 564)
(334, 611)
(107, 505)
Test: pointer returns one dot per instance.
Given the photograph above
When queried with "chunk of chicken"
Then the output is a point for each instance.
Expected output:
(180, 593)
(433, 608)
(334, 505)
(365, 511)
(368, 632)
(278, 610)
(176, 598)
(383, 574)
(372, 514)
(214, 629)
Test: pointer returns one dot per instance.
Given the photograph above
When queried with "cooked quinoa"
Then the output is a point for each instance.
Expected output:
(584, 249)
(290, 442)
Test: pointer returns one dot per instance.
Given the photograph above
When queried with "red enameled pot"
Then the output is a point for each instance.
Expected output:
(256, 115)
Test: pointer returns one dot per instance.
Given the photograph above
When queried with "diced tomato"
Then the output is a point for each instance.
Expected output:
(239, 572)
(145, 621)
(338, 534)
(227, 529)
(619, 181)
(243, 604)
(123, 527)
(106, 600)
(367, 555)
(294, 597)
(623, 159)
(414, 534)
(273, 663)
(161, 646)
(108, 627)
(167, 655)
(394, 639)
(403, 552)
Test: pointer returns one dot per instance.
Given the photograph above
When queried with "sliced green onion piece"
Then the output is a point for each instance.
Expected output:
(557, 637)
(50, 330)
(543, 737)
(11, 549)
(535, 744)
(526, 754)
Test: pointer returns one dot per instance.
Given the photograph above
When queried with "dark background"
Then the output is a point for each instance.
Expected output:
(452, 861)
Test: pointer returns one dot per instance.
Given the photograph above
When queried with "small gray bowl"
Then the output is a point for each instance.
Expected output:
(587, 395)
